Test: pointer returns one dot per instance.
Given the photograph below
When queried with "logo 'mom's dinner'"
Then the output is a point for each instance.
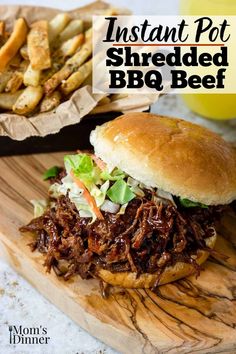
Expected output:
(28, 335)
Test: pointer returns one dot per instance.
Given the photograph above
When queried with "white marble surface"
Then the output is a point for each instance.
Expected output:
(19, 302)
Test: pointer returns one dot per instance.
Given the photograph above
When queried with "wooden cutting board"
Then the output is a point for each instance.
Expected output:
(189, 316)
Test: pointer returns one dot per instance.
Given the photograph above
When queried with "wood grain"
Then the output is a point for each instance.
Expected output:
(188, 316)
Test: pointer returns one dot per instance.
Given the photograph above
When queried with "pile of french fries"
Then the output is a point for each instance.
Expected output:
(43, 63)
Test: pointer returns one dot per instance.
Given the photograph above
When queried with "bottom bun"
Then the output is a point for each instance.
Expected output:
(147, 280)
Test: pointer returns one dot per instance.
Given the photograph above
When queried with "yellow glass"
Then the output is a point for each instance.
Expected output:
(212, 106)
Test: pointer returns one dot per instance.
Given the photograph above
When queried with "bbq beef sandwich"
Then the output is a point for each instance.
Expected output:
(141, 211)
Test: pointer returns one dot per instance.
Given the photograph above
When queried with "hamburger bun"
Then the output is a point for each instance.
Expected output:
(176, 156)
(170, 274)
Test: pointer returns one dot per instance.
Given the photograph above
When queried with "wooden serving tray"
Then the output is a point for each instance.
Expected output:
(189, 316)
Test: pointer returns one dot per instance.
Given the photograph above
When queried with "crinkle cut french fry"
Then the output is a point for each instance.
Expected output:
(74, 28)
(7, 100)
(70, 66)
(38, 46)
(50, 102)
(76, 79)
(31, 76)
(28, 100)
(15, 82)
(57, 25)
(13, 44)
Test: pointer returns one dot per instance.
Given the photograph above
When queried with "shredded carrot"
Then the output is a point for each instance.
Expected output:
(101, 164)
(87, 196)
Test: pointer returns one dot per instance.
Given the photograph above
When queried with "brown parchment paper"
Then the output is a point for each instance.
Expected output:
(82, 102)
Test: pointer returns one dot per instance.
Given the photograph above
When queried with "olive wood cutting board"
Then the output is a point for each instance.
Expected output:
(188, 316)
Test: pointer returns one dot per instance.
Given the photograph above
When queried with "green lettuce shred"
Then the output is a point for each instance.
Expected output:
(120, 192)
(115, 175)
(190, 204)
(83, 167)
(79, 163)
(97, 181)
(51, 172)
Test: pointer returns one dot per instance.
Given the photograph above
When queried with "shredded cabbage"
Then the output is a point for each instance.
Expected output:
(100, 194)
(132, 182)
(82, 163)
(135, 187)
(165, 195)
(98, 183)
(123, 209)
(40, 206)
(110, 207)
(138, 191)
(74, 192)
(114, 175)
(83, 168)
(120, 192)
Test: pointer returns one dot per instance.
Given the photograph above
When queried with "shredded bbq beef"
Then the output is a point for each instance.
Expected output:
(61, 174)
(146, 239)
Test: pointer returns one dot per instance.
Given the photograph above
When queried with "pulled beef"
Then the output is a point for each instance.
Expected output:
(146, 239)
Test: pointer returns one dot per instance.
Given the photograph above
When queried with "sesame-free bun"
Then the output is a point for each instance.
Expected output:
(171, 154)
(147, 280)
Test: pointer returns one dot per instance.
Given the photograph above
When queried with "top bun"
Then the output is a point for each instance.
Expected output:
(176, 156)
